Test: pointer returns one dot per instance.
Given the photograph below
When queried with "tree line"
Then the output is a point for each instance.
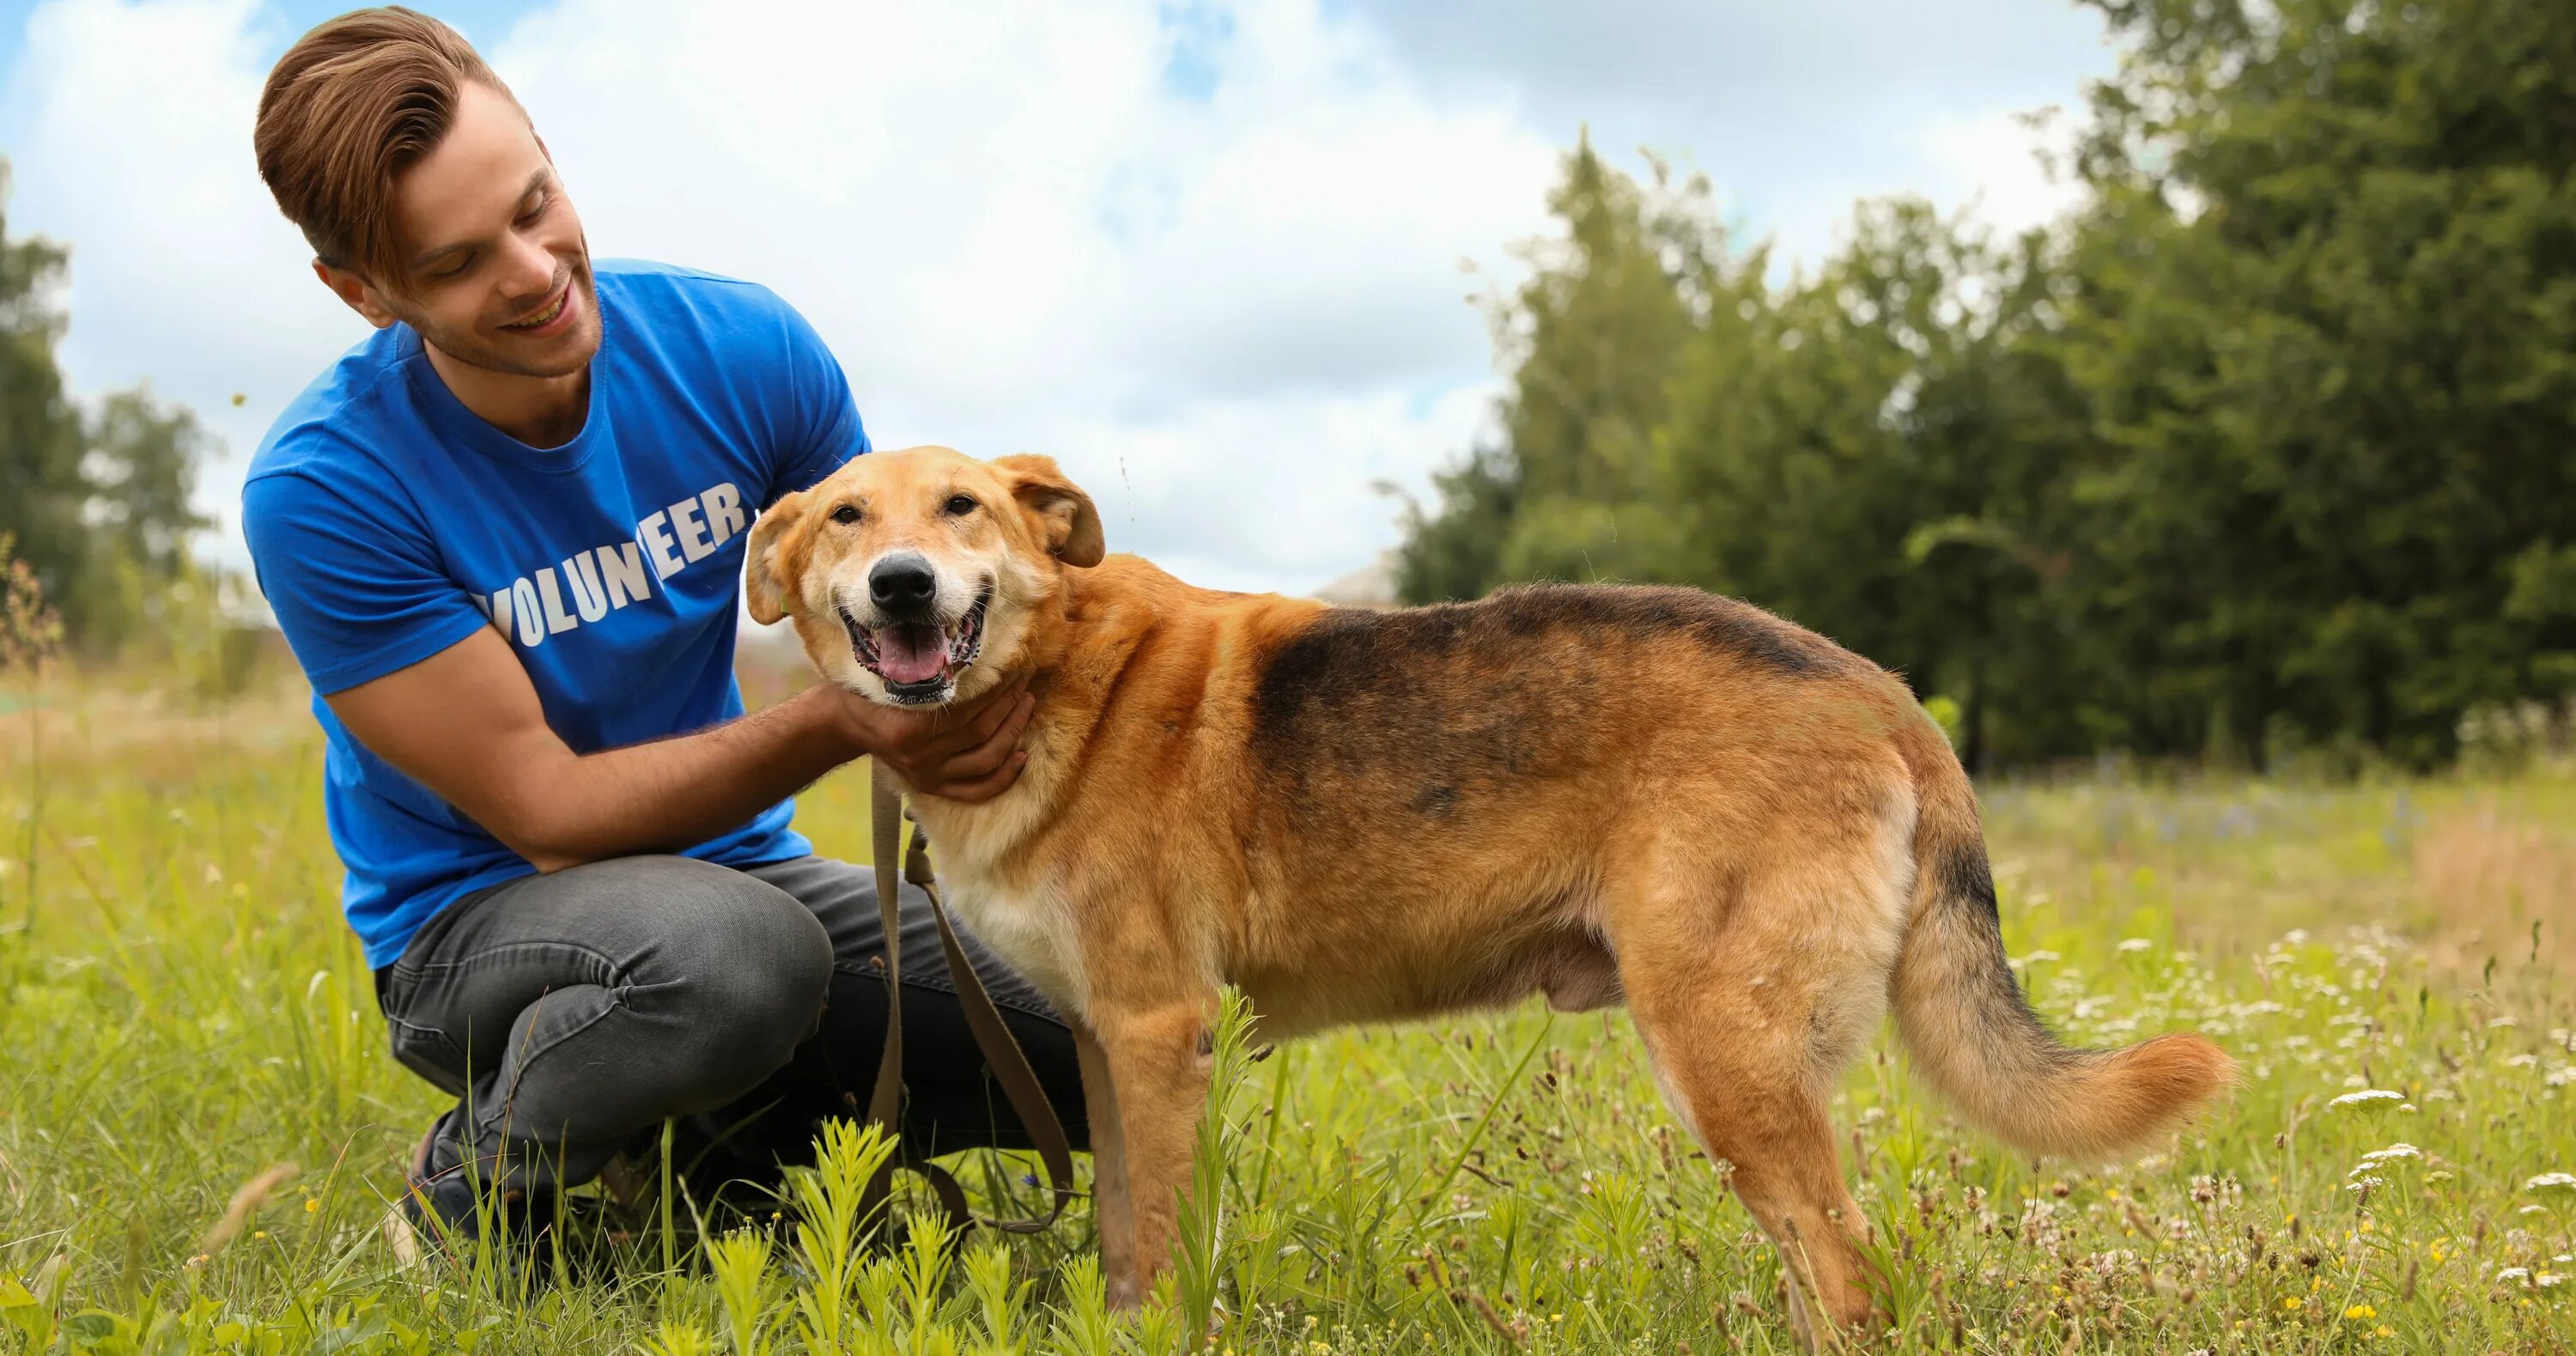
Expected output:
(93, 502)
(2268, 447)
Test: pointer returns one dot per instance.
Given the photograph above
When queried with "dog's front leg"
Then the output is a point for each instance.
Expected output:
(1159, 1074)
(1112, 1208)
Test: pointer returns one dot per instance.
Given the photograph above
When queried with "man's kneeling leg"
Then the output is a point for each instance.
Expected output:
(569, 1011)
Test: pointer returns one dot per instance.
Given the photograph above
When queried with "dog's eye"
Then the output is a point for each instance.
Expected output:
(960, 506)
(846, 514)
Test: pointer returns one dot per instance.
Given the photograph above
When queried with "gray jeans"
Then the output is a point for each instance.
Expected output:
(571, 1014)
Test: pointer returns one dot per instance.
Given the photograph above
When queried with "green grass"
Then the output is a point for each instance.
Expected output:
(181, 1011)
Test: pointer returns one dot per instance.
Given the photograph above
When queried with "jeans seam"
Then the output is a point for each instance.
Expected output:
(617, 972)
(506, 1097)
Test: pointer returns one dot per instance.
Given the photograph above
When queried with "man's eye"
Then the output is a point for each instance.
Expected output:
(534, 212)
(960, 506)
(454, 270)
(845, 514)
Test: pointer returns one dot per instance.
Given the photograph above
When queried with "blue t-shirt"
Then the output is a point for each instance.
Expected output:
(387, 522)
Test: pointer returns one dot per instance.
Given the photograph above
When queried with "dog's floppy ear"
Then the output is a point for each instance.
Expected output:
(765, 585)
(1066, 519)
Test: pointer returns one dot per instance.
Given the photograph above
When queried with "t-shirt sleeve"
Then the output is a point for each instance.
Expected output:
(822, 429)
(358, 594)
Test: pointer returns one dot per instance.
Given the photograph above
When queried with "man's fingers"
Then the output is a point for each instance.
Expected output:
(977, 728)
(986, 787)
(984, 758)
(992, 714)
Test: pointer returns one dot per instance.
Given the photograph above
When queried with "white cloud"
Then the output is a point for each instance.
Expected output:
(1229, 302)
(1993, 162)
(1229, 315)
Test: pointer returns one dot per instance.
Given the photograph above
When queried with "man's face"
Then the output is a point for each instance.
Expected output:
(493, 269)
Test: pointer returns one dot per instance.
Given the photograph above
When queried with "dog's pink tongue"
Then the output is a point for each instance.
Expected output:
(910, 654)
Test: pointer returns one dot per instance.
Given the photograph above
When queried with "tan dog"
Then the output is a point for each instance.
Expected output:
(1752, 837)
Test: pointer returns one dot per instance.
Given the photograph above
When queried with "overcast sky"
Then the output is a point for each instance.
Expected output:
(1208, 255)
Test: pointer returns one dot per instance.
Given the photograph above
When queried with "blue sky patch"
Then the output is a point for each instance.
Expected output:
(1198, 33)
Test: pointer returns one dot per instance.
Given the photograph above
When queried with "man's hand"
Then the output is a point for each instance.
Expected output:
(968, 753)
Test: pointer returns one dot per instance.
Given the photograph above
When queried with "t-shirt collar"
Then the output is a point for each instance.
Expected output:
(454, 423)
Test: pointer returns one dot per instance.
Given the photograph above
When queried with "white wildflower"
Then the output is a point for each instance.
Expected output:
(2551, 1181)
(2400, 1149)
(2514, 1274)
(2367, 1097)
(2136, 944)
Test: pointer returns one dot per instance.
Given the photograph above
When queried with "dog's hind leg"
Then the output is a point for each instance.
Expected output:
(1751, 999)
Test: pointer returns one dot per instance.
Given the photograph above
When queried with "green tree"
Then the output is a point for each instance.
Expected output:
(1591, 339)
(2265, 449)
(2325, 313)
(41, 487)
(95, 504)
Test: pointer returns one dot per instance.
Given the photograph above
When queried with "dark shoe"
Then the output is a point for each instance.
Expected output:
(448, 1210)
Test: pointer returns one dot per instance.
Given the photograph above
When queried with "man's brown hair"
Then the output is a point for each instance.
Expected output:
(350, 107)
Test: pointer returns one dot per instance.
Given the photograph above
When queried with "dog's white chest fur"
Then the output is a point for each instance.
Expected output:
(1027, 929)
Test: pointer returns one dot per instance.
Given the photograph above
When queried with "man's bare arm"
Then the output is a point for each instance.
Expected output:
(467, 723)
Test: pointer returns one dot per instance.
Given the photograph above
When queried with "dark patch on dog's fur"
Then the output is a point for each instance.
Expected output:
(1351, 647)
(1726, 625)
(1967, 882)
(1357, 691)
(1350, 658)
(1967, 878)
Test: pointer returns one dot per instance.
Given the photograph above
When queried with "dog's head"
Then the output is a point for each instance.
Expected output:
(913, 575)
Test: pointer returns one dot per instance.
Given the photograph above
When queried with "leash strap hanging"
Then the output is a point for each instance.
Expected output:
(1002, 1054)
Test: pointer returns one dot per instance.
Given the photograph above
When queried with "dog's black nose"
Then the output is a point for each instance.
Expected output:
(902, 585)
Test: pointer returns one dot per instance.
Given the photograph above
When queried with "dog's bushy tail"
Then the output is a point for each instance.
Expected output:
(1970, 1029)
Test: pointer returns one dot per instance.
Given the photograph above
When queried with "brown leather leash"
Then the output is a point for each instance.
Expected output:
(1002, 1053)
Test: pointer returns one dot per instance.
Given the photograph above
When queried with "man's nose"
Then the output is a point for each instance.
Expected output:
(532, 269)
(902, 585)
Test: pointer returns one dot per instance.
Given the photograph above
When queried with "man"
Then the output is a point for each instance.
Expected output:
(504, 537)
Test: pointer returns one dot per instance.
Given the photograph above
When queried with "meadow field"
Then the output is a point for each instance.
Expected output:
(200, 1126)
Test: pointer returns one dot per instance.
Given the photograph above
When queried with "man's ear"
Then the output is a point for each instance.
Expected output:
(765, 585)
(1067, 522)
(354, 293)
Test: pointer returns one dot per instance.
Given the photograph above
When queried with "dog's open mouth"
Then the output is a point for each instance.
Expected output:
(920, 660)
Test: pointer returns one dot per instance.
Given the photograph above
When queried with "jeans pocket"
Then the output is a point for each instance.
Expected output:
(425, 1050)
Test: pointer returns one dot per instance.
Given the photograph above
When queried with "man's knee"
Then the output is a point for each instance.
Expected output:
(752, 966)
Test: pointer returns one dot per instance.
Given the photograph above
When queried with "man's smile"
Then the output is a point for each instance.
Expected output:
(549, 321)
